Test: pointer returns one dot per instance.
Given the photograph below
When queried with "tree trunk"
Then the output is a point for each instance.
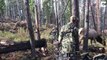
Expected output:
(30, 28)
(75, 12)
(71, 7)
(84, 15)
(85, 42)
(93, 17)
(37, 17)
(75, 9)
(38, 3)
(105, 17)
(98, 15)
(53, 13)
(57, 17)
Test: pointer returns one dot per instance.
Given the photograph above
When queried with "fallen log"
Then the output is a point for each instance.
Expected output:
(22, 46)
(97, 49)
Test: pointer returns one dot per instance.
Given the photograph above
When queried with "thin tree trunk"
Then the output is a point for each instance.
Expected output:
(93, 17)
(38, 3)
(75, 12)
(105, 17)
(37, 21)
(53, 12)
(85, 42)
(84, 6)
(71, 7)
(18, 9)
(98, 15)
(57, 17)
(30, 28)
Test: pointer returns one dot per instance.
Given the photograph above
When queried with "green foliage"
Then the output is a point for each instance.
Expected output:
(32, 6)
(2, 6)
(47, 8)
(67, 12)
(21, 35)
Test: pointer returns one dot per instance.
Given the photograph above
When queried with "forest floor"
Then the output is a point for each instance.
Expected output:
(20, 36)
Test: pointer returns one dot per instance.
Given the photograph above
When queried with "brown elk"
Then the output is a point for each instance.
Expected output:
(93, 35)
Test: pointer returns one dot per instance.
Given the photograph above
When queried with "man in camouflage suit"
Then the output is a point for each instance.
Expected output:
(65, 37)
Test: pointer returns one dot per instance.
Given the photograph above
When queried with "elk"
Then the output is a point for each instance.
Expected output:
(93, 36)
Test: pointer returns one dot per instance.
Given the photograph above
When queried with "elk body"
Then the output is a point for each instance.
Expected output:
(93, 35)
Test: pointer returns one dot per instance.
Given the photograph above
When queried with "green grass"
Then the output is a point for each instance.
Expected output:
(21, 35)
(45, 33)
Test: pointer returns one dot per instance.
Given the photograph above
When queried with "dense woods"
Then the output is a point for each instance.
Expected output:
(27, 21)
(47, 10)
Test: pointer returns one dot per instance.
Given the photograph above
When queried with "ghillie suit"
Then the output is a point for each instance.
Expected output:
(66, 38)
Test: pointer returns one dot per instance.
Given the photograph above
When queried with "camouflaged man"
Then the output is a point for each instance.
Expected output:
(65, 36)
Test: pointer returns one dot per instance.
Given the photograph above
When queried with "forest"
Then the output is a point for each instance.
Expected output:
(44, 29)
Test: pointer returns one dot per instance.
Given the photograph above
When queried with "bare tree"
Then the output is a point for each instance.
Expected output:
(98, 15)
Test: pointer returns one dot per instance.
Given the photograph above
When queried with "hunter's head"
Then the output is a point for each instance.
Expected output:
(73, 19)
